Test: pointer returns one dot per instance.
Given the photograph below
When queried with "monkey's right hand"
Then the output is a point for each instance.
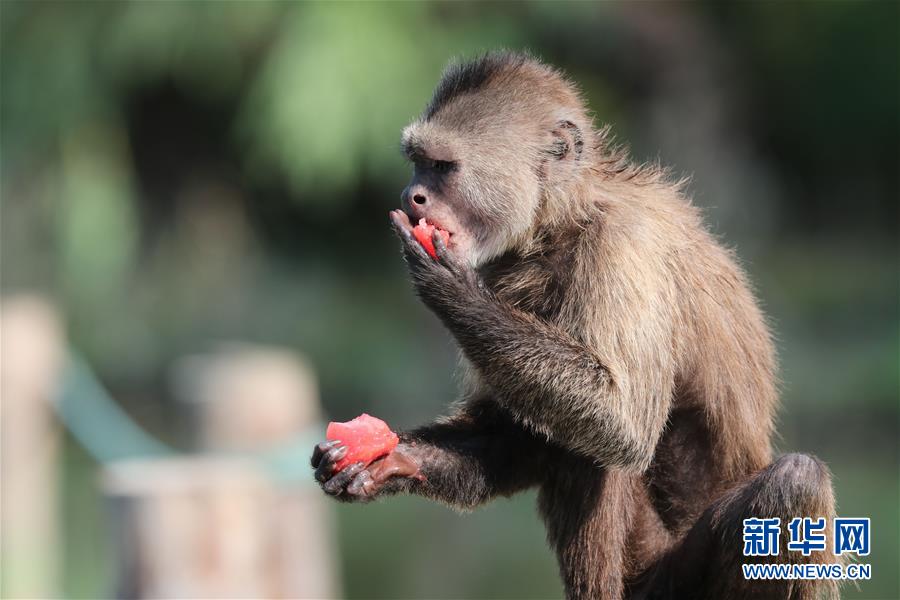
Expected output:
(358, 482)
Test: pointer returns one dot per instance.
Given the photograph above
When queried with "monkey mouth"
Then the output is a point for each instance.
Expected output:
(405, 220)
(435, 225)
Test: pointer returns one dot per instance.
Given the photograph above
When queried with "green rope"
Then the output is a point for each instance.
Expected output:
(98, 422)
(108, 434)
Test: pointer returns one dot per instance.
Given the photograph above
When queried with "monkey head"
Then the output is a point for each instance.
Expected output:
(496, 154)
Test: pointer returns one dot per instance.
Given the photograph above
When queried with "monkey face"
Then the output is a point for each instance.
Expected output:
(432, 195)
(471, 186)
(498, 151)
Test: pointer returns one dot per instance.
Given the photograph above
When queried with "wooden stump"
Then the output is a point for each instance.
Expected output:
(257, 401)
(190, 528)
(33, 355)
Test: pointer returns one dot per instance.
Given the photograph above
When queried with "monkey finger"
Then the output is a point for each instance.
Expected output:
(415, 254)
(445, 256)
(400, 223)
(400, 219)
(362, 485)
(413, 250)
(320, 451)
(326, 467)
(336, 484)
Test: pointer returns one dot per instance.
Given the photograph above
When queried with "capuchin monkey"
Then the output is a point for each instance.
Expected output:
(614, 356)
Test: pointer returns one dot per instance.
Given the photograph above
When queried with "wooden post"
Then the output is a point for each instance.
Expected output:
(189, 528)
(32, 346)
(257, 401)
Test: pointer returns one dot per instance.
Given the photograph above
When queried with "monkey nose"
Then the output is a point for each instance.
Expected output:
(414, 201)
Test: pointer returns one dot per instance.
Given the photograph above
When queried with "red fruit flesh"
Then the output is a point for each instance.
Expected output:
(365, 437)
(424, 232)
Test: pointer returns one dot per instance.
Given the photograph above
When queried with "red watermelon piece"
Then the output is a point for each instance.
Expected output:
(424, 232)
(365, 437)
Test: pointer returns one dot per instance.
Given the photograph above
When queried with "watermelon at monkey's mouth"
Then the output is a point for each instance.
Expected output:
(365, 437)
(424, 231)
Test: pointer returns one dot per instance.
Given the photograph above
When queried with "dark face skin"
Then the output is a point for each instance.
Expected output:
(431, 180)
(438, 193)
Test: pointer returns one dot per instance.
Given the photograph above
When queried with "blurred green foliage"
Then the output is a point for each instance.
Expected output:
(175, 174)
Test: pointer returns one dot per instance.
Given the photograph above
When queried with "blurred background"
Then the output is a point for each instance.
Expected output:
(197, 269)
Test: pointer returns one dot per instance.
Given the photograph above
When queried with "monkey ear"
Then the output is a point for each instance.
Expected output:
(567, 141)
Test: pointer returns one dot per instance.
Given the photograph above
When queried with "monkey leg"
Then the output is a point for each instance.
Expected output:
(601, 524)
(706, 563)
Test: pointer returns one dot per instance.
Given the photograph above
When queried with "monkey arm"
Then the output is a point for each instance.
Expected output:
(462, 461)
(548, 380)
(475, 456)
(551, 382)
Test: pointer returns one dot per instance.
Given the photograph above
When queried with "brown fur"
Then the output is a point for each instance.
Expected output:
(614, 354)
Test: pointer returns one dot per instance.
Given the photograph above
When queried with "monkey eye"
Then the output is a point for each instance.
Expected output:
(443, 166)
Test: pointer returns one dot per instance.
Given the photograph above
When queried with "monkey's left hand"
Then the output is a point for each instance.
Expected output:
(449, 280)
